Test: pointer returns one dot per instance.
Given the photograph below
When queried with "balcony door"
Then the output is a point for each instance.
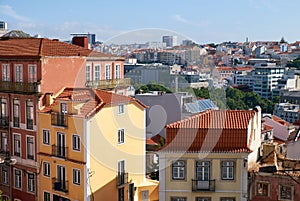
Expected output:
(121, 172)
(203, 174)
(61, 144)
(61, 176)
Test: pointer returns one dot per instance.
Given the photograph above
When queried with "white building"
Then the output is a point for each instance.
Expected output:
(287, 111)
(170, 41)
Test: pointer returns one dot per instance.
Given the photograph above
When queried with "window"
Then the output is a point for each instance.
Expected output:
(46, 169)
(203, 170)
(29, 114)
(121, 136)
(76, 142)
(30, 182)
(3, 111)
(16, 113)
(76, 176)
(227, 199)
(227, 170)
(18, 179)
(46, 136)
(178, 170)
(286, 192)
(64, 108)
(97, 73)
(5, 72)
(30, 147)
(32, 74)
(17, 145)
(107, 72)
(4, 175)
(4, 145)
(46, 196)
(121, 196)
(18, 73)
(88, 73)
(118, 71)
(178, 199)
(262, 189)
(120, 109)
(203, 199)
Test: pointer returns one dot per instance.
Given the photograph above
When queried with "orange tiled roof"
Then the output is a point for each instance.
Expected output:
(149, 141)
(210, 131)
(35, 47)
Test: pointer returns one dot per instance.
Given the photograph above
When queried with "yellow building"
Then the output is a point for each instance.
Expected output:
(206, 157)
(92, 147)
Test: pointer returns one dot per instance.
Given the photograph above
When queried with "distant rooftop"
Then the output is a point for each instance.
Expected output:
(16, 34)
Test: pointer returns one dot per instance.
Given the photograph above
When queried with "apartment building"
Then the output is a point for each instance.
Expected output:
(92, 147)
(30, 69)
(206, 157)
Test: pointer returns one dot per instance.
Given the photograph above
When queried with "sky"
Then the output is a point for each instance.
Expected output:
(140, 21)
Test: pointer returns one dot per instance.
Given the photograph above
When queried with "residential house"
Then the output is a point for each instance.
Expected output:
(207, 156)
(30, 69)
(92, 147)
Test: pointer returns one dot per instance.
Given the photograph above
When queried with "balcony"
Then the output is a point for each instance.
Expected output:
(108, 84)
(4, 122)
(199, 185)
(16, 122)
(29, 124)
(59, 151)
(59, 119)
(19, 87)
(122, 178)
(60, 185)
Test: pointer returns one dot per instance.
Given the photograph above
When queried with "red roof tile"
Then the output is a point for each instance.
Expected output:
(210, 131)
(149, 141)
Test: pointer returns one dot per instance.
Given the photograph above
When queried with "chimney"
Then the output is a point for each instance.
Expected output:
(81, 41)
(48, 99)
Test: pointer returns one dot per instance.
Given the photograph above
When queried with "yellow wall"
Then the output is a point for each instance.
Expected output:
(105, 152)
(75, 126)
(223, 188)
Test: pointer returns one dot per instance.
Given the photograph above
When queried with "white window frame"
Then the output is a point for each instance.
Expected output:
(31, 183)
(17, 147)
(227, 170)
(46, 136)
(203, 198)
(76, 144)
(29, 112)
(18, 179)
(16, 111)
(6, 72)
(4, 175)
(76, 176)
(4, 141)
(48, 193)
(121, 136)
(18, 72)
(288, 186)
(178, 170)
(262, 183)
(4, 108)
(32, 73)
(88, 76)
(118, 71)
(121, 109)
(46, 169)
(97, 72)
(29, 148)
(178, 199)
(107, 71)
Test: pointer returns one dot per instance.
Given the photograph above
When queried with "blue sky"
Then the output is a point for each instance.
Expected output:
(142, 21)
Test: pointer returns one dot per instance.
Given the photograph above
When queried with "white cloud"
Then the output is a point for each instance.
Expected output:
(9, 11)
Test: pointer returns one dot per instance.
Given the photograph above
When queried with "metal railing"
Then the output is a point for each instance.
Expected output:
(122, 178)
(59, 119)
(29, 124)
(107, 84)
(4, 122)
(60, 185)
(59, 151)
(19, 87)
(200, 185)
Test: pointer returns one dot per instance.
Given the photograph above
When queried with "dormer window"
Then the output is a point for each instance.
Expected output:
(63, 108)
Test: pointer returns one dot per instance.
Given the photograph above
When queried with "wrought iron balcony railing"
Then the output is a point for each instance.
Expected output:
(60, 185)
(200, 185)
(107, 84)
(122, 178)
(4, 122)
(59, 119)
(16, 122)
(19, 87)
(29, 124)
(59, 151)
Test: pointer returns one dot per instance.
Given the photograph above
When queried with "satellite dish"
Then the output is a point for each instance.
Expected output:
(13, 161)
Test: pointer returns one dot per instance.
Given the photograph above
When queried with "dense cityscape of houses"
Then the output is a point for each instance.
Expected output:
(73, 128)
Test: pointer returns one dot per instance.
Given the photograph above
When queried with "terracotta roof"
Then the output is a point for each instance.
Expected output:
(210, 131)
(266, 127)
(149, 141)
(35, 47)
(92, 100)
